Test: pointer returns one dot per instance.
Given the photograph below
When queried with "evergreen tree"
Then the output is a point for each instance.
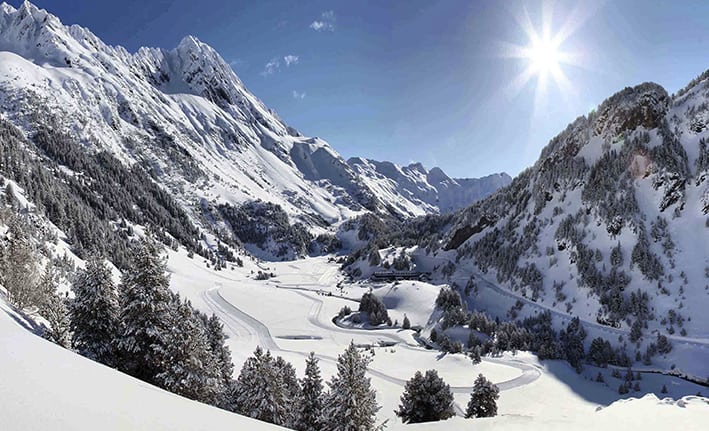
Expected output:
(311, 402)
(291, 388)
(260, 391)
(350, 404)
(145, 315)
(571, 340)
(406, 323)
(374, 258)
(476, 354)
(374, 308)
(53, 308)
(483, 400)
(222, 355)
(190, 369)
(426, 399)
(94, 313)
(19, 266)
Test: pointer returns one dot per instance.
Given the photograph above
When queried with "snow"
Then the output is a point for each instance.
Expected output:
(47, 387)
(414, 191)
(107, 97)
(291, 314)
(127, 103)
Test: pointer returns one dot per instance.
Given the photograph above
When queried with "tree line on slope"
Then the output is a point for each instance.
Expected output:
(534, 333)
(91, 197)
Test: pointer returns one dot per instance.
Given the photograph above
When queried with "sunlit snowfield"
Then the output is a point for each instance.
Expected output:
(292, 313)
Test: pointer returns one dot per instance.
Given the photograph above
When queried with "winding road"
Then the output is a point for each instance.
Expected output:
(246, 325)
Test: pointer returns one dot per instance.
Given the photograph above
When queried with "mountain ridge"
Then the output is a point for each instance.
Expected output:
(182, 114)
(610, 224)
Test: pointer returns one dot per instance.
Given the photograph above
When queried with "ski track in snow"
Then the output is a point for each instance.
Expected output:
(243, 324)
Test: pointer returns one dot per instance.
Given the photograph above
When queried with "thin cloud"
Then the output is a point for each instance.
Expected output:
(291, 59)
(326, 22)
(237, 62)
(271, 67)
(298, 96)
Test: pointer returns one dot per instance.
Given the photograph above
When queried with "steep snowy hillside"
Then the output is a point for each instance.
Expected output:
(611, 225)
(181, 114)
(412, 190)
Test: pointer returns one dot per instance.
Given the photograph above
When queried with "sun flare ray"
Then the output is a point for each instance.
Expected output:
(544, 52)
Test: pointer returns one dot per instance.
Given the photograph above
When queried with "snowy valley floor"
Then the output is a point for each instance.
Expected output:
(292, 315)
(46, 387)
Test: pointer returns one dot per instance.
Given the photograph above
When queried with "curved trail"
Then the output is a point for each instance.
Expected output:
(244, 324)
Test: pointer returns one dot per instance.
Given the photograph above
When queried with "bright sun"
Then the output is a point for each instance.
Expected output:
(543, 53)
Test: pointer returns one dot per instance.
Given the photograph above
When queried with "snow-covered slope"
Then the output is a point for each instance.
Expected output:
(412, 190)
(611, 225)
(182, 114)
(47, 387)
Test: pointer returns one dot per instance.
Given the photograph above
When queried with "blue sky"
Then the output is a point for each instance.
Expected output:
(420, 80)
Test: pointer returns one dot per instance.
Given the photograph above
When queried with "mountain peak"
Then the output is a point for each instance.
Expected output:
(28, 10)
(417, 166)
(192, 44)
(6, 8)
(436, 175)
(190, 40)
(642, 105)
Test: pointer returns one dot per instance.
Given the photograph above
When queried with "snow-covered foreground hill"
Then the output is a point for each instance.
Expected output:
(45, 386)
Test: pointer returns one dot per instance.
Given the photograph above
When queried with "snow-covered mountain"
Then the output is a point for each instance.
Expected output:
(611, 224)
(181, 114)
(412, 190)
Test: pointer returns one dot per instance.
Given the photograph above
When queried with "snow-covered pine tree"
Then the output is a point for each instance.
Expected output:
(426, 399)
(245, 387)
(190, 368)
(483, 400)
(260, 391)
(311, 401)
(291, 387)
(221, 352)
(571, 340)
(53, 308)
(18, 270)
(145, 314)
(475, 354)
(374, 308)
(407, 323)
(350, 403)
(94, 312)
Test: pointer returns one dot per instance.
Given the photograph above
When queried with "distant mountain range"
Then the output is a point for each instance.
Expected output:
(413, 191)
